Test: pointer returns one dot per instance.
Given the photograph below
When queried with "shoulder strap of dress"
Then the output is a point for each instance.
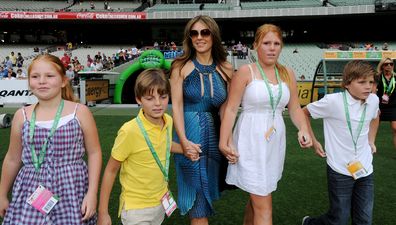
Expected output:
(24, 113)
(75, 109)
(251, 72)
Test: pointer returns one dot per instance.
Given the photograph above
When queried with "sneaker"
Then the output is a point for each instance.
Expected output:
(305, 219)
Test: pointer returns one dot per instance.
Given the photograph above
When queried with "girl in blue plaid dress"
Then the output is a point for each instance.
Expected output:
(47, 143)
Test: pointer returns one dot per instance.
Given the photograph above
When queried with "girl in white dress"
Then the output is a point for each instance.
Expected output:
(256, 150)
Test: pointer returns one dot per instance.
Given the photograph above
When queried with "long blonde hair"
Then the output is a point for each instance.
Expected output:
(67, 91)
(260, 34)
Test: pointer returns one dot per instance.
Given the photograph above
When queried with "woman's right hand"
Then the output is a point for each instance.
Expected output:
(4, 203)
(191, 150)
(229, 151)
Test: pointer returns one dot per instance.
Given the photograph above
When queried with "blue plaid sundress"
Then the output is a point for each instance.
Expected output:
(64, 173)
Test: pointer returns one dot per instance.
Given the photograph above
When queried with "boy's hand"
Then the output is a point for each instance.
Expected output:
(88, 207)
(104, 219)
(319, 149)
(304, 139)
(191, 150)
(373, 148)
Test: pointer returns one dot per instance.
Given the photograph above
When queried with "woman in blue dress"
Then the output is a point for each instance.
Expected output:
(199, 81)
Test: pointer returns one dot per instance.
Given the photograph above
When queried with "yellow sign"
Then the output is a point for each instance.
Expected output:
(330, 55)
(96, 90)
(359, 54)
(305, 90)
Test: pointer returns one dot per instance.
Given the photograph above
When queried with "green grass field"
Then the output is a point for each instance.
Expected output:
(301, 191)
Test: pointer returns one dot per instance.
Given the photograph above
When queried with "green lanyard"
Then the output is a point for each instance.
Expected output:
(389, 89)
(273, 105)
(153, 152)
(348, 119)
(38, 161)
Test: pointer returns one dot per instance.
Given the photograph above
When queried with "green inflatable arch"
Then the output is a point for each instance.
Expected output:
(149, 59)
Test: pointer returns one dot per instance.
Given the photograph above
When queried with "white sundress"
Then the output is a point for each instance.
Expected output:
(260, 164)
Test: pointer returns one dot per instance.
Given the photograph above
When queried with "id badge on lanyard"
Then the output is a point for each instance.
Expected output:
(270, 133)
(355, 167)
(169, 203)
(43, 200)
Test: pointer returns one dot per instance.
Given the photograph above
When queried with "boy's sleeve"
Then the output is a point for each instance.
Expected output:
(122, 147)
(376, 103)
(321, 108)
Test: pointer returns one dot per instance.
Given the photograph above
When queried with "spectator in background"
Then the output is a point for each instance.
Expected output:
(110, 62)
(75, 60)
(98, 56)
(387, 94)
(70, 72)
(106, 5)
(173, 46)
(156, 46)
(8, 63)
(99, 65)
(239, 50)
(20, 74)
(65, 60)
(244, 51)
(92, 5)
(89, 60)
(13, 58)
(385, 47)
(134, 52)
(11, 75)
(20, 60)
(3, 72)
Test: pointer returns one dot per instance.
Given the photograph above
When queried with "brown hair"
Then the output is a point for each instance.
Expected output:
(356, 69)
(260, 34)
(219, 54)
(150, 79)
(67, 91)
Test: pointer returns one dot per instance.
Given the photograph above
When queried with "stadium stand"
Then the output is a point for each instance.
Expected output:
(25, 5)
(281, 4)
(189, 7)
(99, 7)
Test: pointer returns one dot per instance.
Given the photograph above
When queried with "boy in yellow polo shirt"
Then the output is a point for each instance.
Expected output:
(141, 149)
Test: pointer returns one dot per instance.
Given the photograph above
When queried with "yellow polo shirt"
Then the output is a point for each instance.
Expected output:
(142, 181)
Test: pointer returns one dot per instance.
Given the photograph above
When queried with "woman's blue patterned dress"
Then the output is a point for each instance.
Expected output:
(199, 182)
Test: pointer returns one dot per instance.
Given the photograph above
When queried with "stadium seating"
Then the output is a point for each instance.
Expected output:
(280, 4)
(99, 6)
(25, 5)
(188, 7)
(351, 2)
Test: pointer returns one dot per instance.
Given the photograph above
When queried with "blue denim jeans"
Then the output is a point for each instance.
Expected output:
(347, 196)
